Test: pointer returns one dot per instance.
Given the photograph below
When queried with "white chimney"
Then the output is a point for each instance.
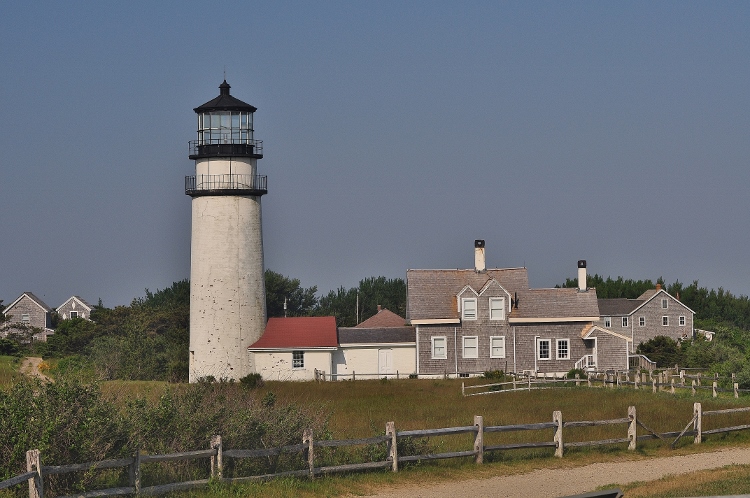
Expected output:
(582, 275)
(479, 264)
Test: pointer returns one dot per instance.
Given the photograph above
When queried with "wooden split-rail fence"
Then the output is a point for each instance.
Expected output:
(37, 471)
(656, 382)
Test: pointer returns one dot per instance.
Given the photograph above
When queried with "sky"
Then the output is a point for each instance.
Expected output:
(395, 134)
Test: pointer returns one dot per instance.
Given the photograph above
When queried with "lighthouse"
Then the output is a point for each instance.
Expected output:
(227, 289)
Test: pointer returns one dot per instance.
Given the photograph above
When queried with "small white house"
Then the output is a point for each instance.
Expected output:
(293, 348)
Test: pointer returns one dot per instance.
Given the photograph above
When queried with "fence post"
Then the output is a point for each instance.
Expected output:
(672, 388)
(307, 437)
(34, 464)
(479, 439)
(682, 377)
(578, 380)
(736, 390)
(589, 378)
(636, 378)
(217, 464)
(134, 472)
(390, 430)
(699, 378)
(713, 388)
(698, 424)
(632, 430)
(693, 387)
(653, 385)
(558, 439)
(463, 389)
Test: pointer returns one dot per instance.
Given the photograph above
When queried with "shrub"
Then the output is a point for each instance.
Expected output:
(252, 381)
(576, 371)
(494, 375)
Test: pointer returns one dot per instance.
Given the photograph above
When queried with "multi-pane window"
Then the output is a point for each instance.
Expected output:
(439, 350)
(73, 314)
(682, 321)
(624, 321)
(298, 359)
(469, 309)
(641, 321)
(543, 349)
(497, 308)
(664, 304)
(665, 320)
(25, 318)
(563, 349)
(497, 347)
(607, 321)
(471, 347)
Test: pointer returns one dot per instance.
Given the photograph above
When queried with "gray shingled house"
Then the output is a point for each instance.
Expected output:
(74, 307)
(475, 320)
(28, 312)
(653, 313)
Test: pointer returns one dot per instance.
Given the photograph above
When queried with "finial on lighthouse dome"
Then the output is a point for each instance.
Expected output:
(224, 88)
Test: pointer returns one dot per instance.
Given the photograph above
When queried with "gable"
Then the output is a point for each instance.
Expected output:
(30, 297)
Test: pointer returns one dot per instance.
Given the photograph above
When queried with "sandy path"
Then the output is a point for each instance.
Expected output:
(569, 481)
(30, 366)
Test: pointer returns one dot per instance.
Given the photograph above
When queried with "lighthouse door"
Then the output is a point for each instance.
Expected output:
(385, 361)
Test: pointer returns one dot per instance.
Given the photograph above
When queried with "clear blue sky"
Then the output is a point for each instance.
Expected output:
(395, 133)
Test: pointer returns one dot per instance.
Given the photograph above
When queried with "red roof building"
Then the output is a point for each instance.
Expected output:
(298, 333)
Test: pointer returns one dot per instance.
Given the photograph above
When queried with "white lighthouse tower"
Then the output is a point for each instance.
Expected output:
(227, 290)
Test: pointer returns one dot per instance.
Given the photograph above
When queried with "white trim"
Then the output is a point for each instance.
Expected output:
(351, 345)
(463, 346)
(464, 301)
(682, 319)
(557, 349)
(77, 300)
(5, 311)
(435, 321)
(502, 308)
(662, 321)
(445, 347)
(588, 333)
(304, 348)
(493, 337)
(641, 321)
(552, 320)
(656, 294)
(625, 321)
(539, 341)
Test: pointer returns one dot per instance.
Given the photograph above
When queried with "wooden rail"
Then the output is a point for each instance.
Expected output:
(307, 449)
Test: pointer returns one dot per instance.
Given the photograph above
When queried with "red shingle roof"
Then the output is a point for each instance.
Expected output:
(299, 332)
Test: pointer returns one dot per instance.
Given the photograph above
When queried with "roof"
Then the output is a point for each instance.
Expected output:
(383, 318)
(353, 335)
(225, 102)
(298, 332)
(618, 306)
(555, 304)
(431, 294)
(31, 296)
(79, 299)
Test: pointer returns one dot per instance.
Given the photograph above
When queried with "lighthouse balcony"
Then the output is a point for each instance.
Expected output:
(199, 185)
(228, 146)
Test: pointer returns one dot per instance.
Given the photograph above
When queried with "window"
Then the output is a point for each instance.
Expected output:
(497, 347)
(543, 352)
(469, 308)
(642, 321)
(664, 304)
(497, 308)
(607, 321)
(298, 359)
(682, 321)
(471, 347)
(25, 318)
(624, 321)
(439, 351)
(73, 314)
(665, 320)
(563, 349)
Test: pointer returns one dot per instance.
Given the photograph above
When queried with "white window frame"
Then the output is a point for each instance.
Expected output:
(493, 339)
(665, 321)
(72, 314)
(497, 304)
(608, 322)
(539, 349)
(25, 318)
(298, 360)
(624, 321)
(440, 338)
(641, 321)
(566, 356)
(464, 315)
(682, 321)
(475, 347)
(664, 303)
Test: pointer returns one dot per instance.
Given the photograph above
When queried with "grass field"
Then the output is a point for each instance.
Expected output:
(362, 408)
(8, 369)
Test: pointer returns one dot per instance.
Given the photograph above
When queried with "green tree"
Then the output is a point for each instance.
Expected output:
(662, 350)
(363, 300)
(299, 301)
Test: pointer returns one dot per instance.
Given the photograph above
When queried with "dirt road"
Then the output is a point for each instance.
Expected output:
(569, 481)
(30, 366)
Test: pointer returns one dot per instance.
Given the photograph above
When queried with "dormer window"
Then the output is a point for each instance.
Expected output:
(469, 309)
(497, 308)
(664, 304)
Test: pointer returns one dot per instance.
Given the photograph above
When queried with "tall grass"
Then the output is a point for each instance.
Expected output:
(8, 370)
